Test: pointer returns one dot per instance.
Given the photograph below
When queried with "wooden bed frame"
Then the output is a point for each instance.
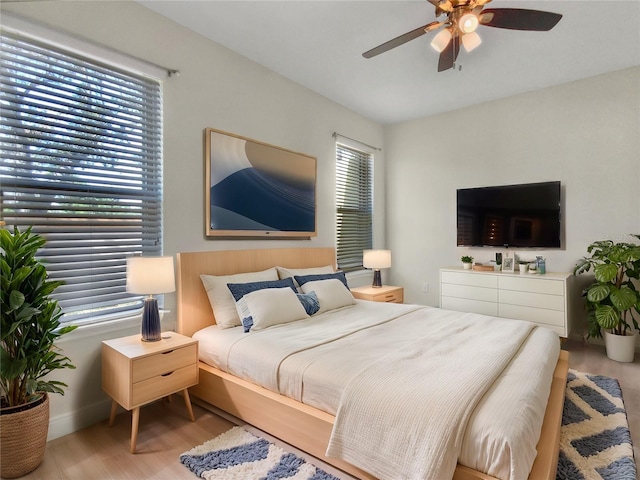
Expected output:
(304, 427)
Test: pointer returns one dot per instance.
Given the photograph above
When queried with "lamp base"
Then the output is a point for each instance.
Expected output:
(151, 327)
(377, 279)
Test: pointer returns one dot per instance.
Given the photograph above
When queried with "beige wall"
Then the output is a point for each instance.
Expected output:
(216, 88)
(585, 134)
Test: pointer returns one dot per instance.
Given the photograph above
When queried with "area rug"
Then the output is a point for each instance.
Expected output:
(594, 443)
(240, 455)
(594, 438)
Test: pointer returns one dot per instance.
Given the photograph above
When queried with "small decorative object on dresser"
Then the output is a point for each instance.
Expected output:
(386, 293)
(508, 264)
(466, 261)
(135, 373)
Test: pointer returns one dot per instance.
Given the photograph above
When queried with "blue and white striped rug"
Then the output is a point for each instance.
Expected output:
(595, 442)
(240, 455)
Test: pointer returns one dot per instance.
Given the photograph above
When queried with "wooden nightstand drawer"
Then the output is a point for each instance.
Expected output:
(163, 362)
(386, 293)
(164, 384)
(391, 297)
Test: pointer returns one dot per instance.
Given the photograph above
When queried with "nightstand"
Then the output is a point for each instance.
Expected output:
(385, 293)
(135, 373)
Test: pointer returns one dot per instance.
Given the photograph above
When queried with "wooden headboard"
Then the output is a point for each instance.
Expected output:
(194, 309)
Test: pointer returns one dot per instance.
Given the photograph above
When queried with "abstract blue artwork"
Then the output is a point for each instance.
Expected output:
(256, 189)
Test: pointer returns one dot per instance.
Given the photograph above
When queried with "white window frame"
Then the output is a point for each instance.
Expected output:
(86, 297)
(351, 240)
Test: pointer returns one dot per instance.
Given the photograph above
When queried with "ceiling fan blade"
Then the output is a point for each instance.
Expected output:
(402, 39)
(449, 54)
(519, 19)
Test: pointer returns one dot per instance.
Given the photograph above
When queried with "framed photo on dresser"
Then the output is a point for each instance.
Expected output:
(508, 263)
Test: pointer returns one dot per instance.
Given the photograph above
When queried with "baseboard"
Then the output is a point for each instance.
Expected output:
(67, 423)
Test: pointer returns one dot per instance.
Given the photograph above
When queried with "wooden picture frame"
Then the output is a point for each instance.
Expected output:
(253, 189)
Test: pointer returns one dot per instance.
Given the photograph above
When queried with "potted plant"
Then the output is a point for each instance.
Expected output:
(466, 261)
(613, 299)
(30, 326)
(523, 266)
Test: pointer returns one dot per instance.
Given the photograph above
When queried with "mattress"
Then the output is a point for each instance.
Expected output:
(311, 360)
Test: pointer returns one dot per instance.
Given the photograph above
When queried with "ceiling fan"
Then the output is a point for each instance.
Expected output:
(463, 18)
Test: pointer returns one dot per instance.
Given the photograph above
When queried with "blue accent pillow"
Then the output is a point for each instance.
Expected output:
(247, 323)
(239, 290)
(302, 279)
(310, 302)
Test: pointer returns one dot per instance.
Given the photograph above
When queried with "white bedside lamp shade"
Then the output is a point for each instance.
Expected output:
(150, 276)
(376, 259)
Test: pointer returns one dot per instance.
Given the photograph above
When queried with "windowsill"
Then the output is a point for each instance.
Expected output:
(104, 327)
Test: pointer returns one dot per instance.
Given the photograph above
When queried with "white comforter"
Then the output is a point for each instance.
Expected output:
(393, 426)
(312, 361)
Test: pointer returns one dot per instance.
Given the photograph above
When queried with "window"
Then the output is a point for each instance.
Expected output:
(80, 162)
(354, 203)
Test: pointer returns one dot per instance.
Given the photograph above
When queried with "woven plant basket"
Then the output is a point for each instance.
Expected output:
(23, 438)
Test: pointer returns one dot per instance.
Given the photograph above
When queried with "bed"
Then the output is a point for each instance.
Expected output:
(301, 425)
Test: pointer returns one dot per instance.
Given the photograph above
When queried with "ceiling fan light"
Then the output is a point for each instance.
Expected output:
(468, 23)
(470, 41)
(441, 40)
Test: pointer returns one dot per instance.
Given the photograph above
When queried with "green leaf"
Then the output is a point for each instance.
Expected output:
(607, 316)
(598, 292)
(606, 272)
(16, 299)
(623, 298)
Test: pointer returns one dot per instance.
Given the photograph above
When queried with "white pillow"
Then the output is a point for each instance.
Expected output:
(222, 302)
(284, 272)
(331, 293)
(273, 306)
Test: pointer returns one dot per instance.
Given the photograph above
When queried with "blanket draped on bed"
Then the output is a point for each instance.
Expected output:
(393, 427)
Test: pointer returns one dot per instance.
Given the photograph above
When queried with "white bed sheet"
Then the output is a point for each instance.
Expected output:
(503, 431)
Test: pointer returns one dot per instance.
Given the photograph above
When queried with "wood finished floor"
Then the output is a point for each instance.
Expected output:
(100, 452)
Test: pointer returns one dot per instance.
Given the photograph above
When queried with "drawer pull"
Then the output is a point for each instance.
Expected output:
(166, 374)
(167, 352)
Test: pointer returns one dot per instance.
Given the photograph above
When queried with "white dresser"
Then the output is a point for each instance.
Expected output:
(542, 299)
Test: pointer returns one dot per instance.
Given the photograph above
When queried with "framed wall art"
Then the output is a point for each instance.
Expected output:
(253, 189)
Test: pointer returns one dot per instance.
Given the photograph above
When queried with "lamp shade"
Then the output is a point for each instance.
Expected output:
(470, 41)
(441, 40)
(376, 259)
(150, 275)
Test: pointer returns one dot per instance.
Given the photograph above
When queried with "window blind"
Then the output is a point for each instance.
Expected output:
(354, 202)
(80, 162)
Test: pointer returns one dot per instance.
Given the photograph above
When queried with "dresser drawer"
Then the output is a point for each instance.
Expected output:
(553, 319)
(164, 384)
(475, 279)
(163, 362)
(534, 285)
(466, 305)
(472, 293)
(536, 300)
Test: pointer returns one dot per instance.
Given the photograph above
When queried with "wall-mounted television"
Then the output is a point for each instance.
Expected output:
(521, 216)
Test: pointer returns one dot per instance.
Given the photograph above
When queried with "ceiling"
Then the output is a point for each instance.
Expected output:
(319, 44)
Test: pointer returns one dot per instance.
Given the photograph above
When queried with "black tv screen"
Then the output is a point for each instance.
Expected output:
(526, 215)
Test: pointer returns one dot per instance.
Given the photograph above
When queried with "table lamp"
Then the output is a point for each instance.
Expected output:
(376, 259)
(150, 276)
